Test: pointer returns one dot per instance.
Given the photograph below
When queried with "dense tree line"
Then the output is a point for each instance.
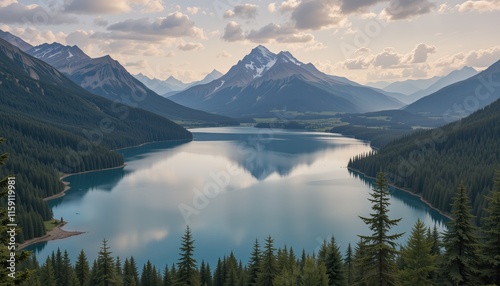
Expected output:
(432, 163)
(53, 126)
(463, 255)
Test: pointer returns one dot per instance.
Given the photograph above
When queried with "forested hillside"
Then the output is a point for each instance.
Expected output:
(51, 125)
(432, 163)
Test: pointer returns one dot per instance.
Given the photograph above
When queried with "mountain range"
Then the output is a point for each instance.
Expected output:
(462, 98)
(413, 89)
(106, 77)
(171, 85)
(263, 83)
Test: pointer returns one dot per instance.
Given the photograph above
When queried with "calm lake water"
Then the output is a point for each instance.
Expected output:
(231, 185)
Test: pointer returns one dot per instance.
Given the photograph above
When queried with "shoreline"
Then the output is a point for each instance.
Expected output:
(67, 186)
(54, 234)
(59, 233)
(409, 192)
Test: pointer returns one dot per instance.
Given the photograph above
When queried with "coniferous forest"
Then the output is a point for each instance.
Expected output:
(56, 127)
(464, 254)
(432, 163)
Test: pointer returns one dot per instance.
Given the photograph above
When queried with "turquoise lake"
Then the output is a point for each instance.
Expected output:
(231, 185)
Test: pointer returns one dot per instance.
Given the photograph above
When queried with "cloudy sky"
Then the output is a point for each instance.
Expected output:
(363, 40)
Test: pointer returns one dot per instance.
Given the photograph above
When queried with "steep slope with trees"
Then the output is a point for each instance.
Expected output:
(432, 163)
(52, 126)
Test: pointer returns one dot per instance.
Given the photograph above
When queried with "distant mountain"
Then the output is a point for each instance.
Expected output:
(172, 85)
(54, 126)
(263, 83)
(108, 78)
(378, 84)
(451, 78)
(14, 40)
(462, 98)
(410, 86)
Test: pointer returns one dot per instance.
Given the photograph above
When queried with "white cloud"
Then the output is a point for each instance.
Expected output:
(5, 3)
(316, 14)
(245, 11)
(193, 10)
(358, 63)
(175, 24)
(271, 7)
(479, 5)
(387, 59)
(278, 33)
(289, 5)
(36, 37)
(233, 32)
(149, 6)
(97, 6)
(406, 9)
(476, 58)
(390, 59)
(190, 46)
(420, 53)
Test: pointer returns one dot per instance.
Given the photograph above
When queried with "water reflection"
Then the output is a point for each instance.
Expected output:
(291, 185)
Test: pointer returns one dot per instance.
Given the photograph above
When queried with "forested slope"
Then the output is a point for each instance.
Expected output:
(433, 162)
(53, 126)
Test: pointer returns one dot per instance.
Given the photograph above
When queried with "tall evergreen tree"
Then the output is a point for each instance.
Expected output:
(417, 257)
(287, 277)
(94, 273)
(168, 280)
(381, 246)
(348, 265)
(82, 270)
(47, 274)
(334, 265)
(267, 265)
(186, 266)
(66, 270)
(205, 275)
(491, 229)
(106, 274)
(254, 264)
(460, 259)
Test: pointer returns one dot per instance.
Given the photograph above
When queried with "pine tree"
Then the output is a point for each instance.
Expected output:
(205, 275)
(460, 258)
(186, 267)
(47, 275)
(334, 265)
(417, 257)
(309, 275)
(267, 265)
(380, 246)
(254, 264)
(119, 271)
(5, 248)
(94, 273)
(106, 275)
(491, 229)
(168, 280)
(287, 277)
(82, 270)
(348, 265)
(147, 270)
